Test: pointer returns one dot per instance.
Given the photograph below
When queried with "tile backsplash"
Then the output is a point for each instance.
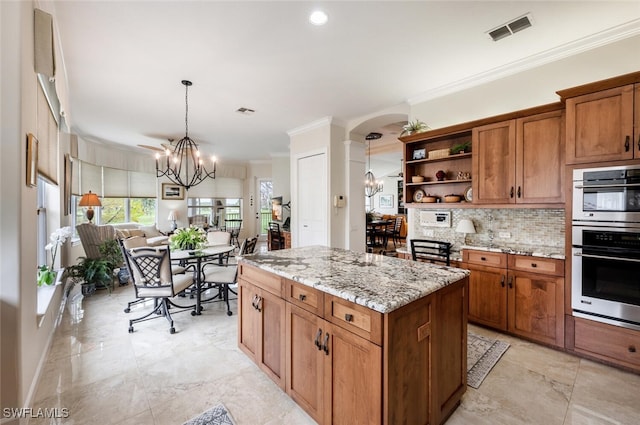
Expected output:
(526, 227)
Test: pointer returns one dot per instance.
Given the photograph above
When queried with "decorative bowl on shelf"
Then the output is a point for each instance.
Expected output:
(417, 179)
(429, 199)
(452, 198)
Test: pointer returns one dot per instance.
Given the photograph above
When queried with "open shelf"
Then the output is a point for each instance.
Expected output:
(439, 182)
(444, 158)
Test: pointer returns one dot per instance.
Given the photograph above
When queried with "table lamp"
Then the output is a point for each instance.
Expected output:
(465, 226)
(173, 216)
(90, 200)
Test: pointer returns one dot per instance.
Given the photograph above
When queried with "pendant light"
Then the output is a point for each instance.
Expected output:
(183, 165)
(371, 185)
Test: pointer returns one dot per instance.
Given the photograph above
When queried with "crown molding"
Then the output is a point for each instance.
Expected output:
(602, 38)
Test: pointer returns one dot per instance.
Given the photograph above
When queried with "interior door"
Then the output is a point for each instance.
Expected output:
(312, 200)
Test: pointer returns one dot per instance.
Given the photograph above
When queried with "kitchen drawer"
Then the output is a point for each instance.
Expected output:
(527, 263)
(485, 258)
(305, 297)
(355, 318)
(264, 280)
(608, 342)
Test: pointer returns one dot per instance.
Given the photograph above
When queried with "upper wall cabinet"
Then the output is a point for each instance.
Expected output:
(519, 161)
(600, 125)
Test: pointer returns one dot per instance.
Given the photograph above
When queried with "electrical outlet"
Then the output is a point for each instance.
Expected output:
(428, 232)
(504, 235)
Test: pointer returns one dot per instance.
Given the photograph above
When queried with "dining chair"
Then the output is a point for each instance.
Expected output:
(394, 232)
(276, 238)
(233, 225)
(431, 251)
(222, 277)
(152, 278)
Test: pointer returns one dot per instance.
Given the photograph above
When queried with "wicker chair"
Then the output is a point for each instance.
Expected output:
(92, 236)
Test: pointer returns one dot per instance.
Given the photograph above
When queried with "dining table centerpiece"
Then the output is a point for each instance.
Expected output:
(188, 238)
(46, 273)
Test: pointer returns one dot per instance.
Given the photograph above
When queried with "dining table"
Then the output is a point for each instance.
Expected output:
(198, 258)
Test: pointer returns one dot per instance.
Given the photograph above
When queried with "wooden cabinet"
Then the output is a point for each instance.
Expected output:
(487, 288)
(425, 158)
(520, 160)
(261, 333)
(333, 374)
(348, 364)
(523, 295)
(606, 342)
(600, 125)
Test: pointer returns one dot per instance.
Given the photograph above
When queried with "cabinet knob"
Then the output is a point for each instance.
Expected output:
(632, 348)
(534, 265)
(483, 258)
(302, 297)
(348, 317)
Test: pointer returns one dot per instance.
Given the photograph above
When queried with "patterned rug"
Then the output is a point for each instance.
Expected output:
(217, 415)
(482, 355)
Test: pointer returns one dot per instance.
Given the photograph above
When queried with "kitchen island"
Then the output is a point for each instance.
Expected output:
(356, 338)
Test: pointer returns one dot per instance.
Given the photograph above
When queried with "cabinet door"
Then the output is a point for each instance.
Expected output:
(305, 360)
(488, 296)
(271, 349)
(600, 126)
(536, 307)
(540, 158)
(636, 145)
(352, 379)
(494, 154)
(248, 319)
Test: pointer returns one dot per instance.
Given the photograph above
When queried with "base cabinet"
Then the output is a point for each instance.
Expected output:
(524, 297)
(346, 364)
(610, 343)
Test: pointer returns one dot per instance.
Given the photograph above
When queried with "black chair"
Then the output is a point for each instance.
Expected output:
(225, 275)
(431, 251)
(276, 237)
(233, 225)
(152, 278)
(394, 232)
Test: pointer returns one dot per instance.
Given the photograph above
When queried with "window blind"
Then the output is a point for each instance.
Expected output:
(142, 185)
(115, 183)
(90, 178)
(48, 140)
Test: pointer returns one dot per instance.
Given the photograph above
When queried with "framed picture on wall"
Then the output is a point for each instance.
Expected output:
(172, 191)
(32, 160)
(276, 208)
(386, 201)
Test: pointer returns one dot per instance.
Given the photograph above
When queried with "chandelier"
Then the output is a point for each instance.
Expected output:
(371, 185)
(183, 166)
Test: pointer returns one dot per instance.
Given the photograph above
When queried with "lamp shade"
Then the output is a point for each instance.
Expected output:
(90, 200)
(172, 215)
(465, 226)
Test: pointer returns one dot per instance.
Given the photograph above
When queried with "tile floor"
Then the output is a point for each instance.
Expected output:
(104, 375)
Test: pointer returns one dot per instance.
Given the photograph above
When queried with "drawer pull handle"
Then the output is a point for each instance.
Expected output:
(302, 297)
(511, 192)
(519, 192)
(325, 346)
(254, 302)
(632, 349)
(348, 317)
(510, 282)
(317, 340)
(502, 281)
(258, 301)
(534, 265)
(626, 144)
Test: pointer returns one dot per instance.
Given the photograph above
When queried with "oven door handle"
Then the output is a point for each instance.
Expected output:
(580, 186)
(604, 257)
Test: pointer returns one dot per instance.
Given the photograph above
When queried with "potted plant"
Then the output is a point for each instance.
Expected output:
(412, 127)
(46, 274)
(461, 147)
(189, 238)
(91, 273)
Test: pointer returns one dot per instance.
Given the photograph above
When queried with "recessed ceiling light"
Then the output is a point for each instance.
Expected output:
(318, 17)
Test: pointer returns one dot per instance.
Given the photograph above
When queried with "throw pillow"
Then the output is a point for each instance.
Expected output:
(135, 232)
(150, 231)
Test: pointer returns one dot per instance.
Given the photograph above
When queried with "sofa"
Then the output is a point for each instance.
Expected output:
(151, 233)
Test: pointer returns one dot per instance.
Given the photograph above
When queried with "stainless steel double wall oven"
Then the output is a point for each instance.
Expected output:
(605, 242)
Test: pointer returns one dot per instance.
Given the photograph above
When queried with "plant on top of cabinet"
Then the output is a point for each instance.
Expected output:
(412, 127)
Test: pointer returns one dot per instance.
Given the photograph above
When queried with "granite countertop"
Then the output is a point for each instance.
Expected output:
(534, 251)
(375, 281)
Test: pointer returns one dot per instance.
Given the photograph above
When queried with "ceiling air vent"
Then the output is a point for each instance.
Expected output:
(510, 28)
(245, 111)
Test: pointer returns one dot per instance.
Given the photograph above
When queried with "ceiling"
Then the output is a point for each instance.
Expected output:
(124, 61)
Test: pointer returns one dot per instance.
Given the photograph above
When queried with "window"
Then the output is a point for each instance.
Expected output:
(217, 209)
(42, 221)
(117, 210)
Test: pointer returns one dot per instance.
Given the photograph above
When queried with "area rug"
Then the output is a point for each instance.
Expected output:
(482, 355)
(217, 415)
